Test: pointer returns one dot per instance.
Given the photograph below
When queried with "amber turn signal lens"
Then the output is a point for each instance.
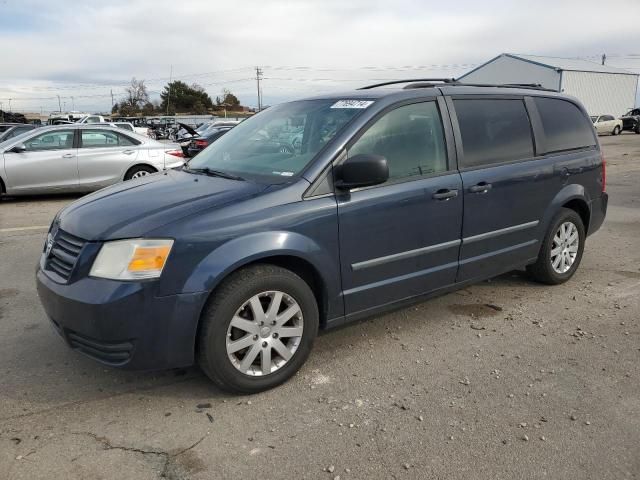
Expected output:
(149, 258)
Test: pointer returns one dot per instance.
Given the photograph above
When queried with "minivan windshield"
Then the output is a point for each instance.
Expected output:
(280, 141)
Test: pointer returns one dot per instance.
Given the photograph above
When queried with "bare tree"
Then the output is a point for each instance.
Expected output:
(137, 94)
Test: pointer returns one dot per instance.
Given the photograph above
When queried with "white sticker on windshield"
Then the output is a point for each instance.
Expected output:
(283, 174)
(352, 104)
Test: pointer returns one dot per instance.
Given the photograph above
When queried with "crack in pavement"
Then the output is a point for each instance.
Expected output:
(168, 456)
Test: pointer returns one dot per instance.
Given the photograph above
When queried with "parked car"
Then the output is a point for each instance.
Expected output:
(14, 130)
(132, 128)
(197, 144)
(607, 124)
(394, 195)
(79, 158)
(631, 120)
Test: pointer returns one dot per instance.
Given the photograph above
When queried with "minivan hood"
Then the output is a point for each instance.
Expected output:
(132, 208)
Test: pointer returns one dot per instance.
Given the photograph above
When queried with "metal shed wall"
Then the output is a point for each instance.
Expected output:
(601, 93)
(505, 69)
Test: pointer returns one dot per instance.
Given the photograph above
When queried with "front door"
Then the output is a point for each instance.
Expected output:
(49, 164)
(402, 238)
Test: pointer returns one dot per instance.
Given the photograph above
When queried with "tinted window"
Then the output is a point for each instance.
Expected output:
(607, 118)
(410, 138)
(565, 126)
(493, 131)
(60, 139)
(104, 138)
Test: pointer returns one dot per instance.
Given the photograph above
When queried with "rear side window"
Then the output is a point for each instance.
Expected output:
(105, 138)
(410, 138)
(493, 131)
(565, 126)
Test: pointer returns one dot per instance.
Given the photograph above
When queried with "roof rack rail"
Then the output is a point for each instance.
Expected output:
(530, 86)
(428, 83)
(395, 82)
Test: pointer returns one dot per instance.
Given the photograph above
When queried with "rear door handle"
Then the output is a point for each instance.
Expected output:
(481, 187)
(68, 155)
(445, 194)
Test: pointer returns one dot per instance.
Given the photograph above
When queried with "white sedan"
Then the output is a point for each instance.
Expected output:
(605, 124)
(80, 158)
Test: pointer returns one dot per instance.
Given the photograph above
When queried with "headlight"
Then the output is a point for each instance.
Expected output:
(131, 259)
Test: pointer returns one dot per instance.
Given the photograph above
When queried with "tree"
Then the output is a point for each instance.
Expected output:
(148, 109)
(228, 99)
(184, 98)
(137, 95)
(115, 108)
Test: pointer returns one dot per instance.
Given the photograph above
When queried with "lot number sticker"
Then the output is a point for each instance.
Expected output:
(352, 104)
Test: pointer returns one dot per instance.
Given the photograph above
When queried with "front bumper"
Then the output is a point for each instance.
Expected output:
(123, 324)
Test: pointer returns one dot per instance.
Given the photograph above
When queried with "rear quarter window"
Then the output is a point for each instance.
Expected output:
(493, 131)
(564, 124)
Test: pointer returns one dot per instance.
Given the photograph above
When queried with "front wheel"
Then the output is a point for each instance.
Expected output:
(258, 329)
(616, 130)
(561, 249)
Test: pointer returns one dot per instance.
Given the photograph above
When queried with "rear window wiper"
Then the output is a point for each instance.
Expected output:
(213, 173)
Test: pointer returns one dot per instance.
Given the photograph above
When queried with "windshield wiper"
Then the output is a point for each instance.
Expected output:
(213, 173)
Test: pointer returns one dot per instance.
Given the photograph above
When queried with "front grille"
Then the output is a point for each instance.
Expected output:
(109, 353)
(64, 254)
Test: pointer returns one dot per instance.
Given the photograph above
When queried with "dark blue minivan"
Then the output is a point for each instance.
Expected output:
(318, 212)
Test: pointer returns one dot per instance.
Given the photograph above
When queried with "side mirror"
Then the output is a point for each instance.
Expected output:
(362, 170)
(20, 148)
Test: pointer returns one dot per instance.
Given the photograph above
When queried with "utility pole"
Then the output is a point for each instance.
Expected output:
(169, 88)
(604, 58)
(59, 106)
(73, 104)
(9, 104)
(111, 99)
(258, 78)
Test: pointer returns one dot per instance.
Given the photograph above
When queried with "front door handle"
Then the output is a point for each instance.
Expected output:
(68, 155)
(481, 187)
(129, 152)
(445, 194)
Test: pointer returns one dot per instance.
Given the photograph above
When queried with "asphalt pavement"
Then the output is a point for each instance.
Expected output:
(506, 379)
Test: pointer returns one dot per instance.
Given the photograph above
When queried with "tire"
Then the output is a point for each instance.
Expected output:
(545, 269)
(637, 129)
(616, 130)
(139, 171)
(235, 369)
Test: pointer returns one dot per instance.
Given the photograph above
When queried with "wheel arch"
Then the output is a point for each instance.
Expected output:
(574, 197)
(581, 207)
(3, 187)
(139, 164)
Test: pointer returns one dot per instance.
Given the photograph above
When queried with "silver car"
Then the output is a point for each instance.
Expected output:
(80, 158)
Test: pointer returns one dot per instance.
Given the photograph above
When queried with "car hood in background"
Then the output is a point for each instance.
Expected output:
(132, 208)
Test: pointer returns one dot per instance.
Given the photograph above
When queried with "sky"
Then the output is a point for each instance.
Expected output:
(84, 51)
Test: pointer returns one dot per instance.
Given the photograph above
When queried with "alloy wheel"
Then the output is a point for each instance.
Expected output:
(140, 173)
(264, 333)
(564, 248)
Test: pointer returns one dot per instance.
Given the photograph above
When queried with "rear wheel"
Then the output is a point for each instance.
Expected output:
(616, 130)
(258, 329)
(139, 171)
(561, 250)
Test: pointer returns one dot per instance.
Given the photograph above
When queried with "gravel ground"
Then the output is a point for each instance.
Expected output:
(506, 379)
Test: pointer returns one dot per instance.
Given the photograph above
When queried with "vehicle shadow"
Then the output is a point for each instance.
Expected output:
(56, 197)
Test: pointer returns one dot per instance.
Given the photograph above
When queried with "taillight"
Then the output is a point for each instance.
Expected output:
(175, 153)
(604, 173)
(202, 143)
